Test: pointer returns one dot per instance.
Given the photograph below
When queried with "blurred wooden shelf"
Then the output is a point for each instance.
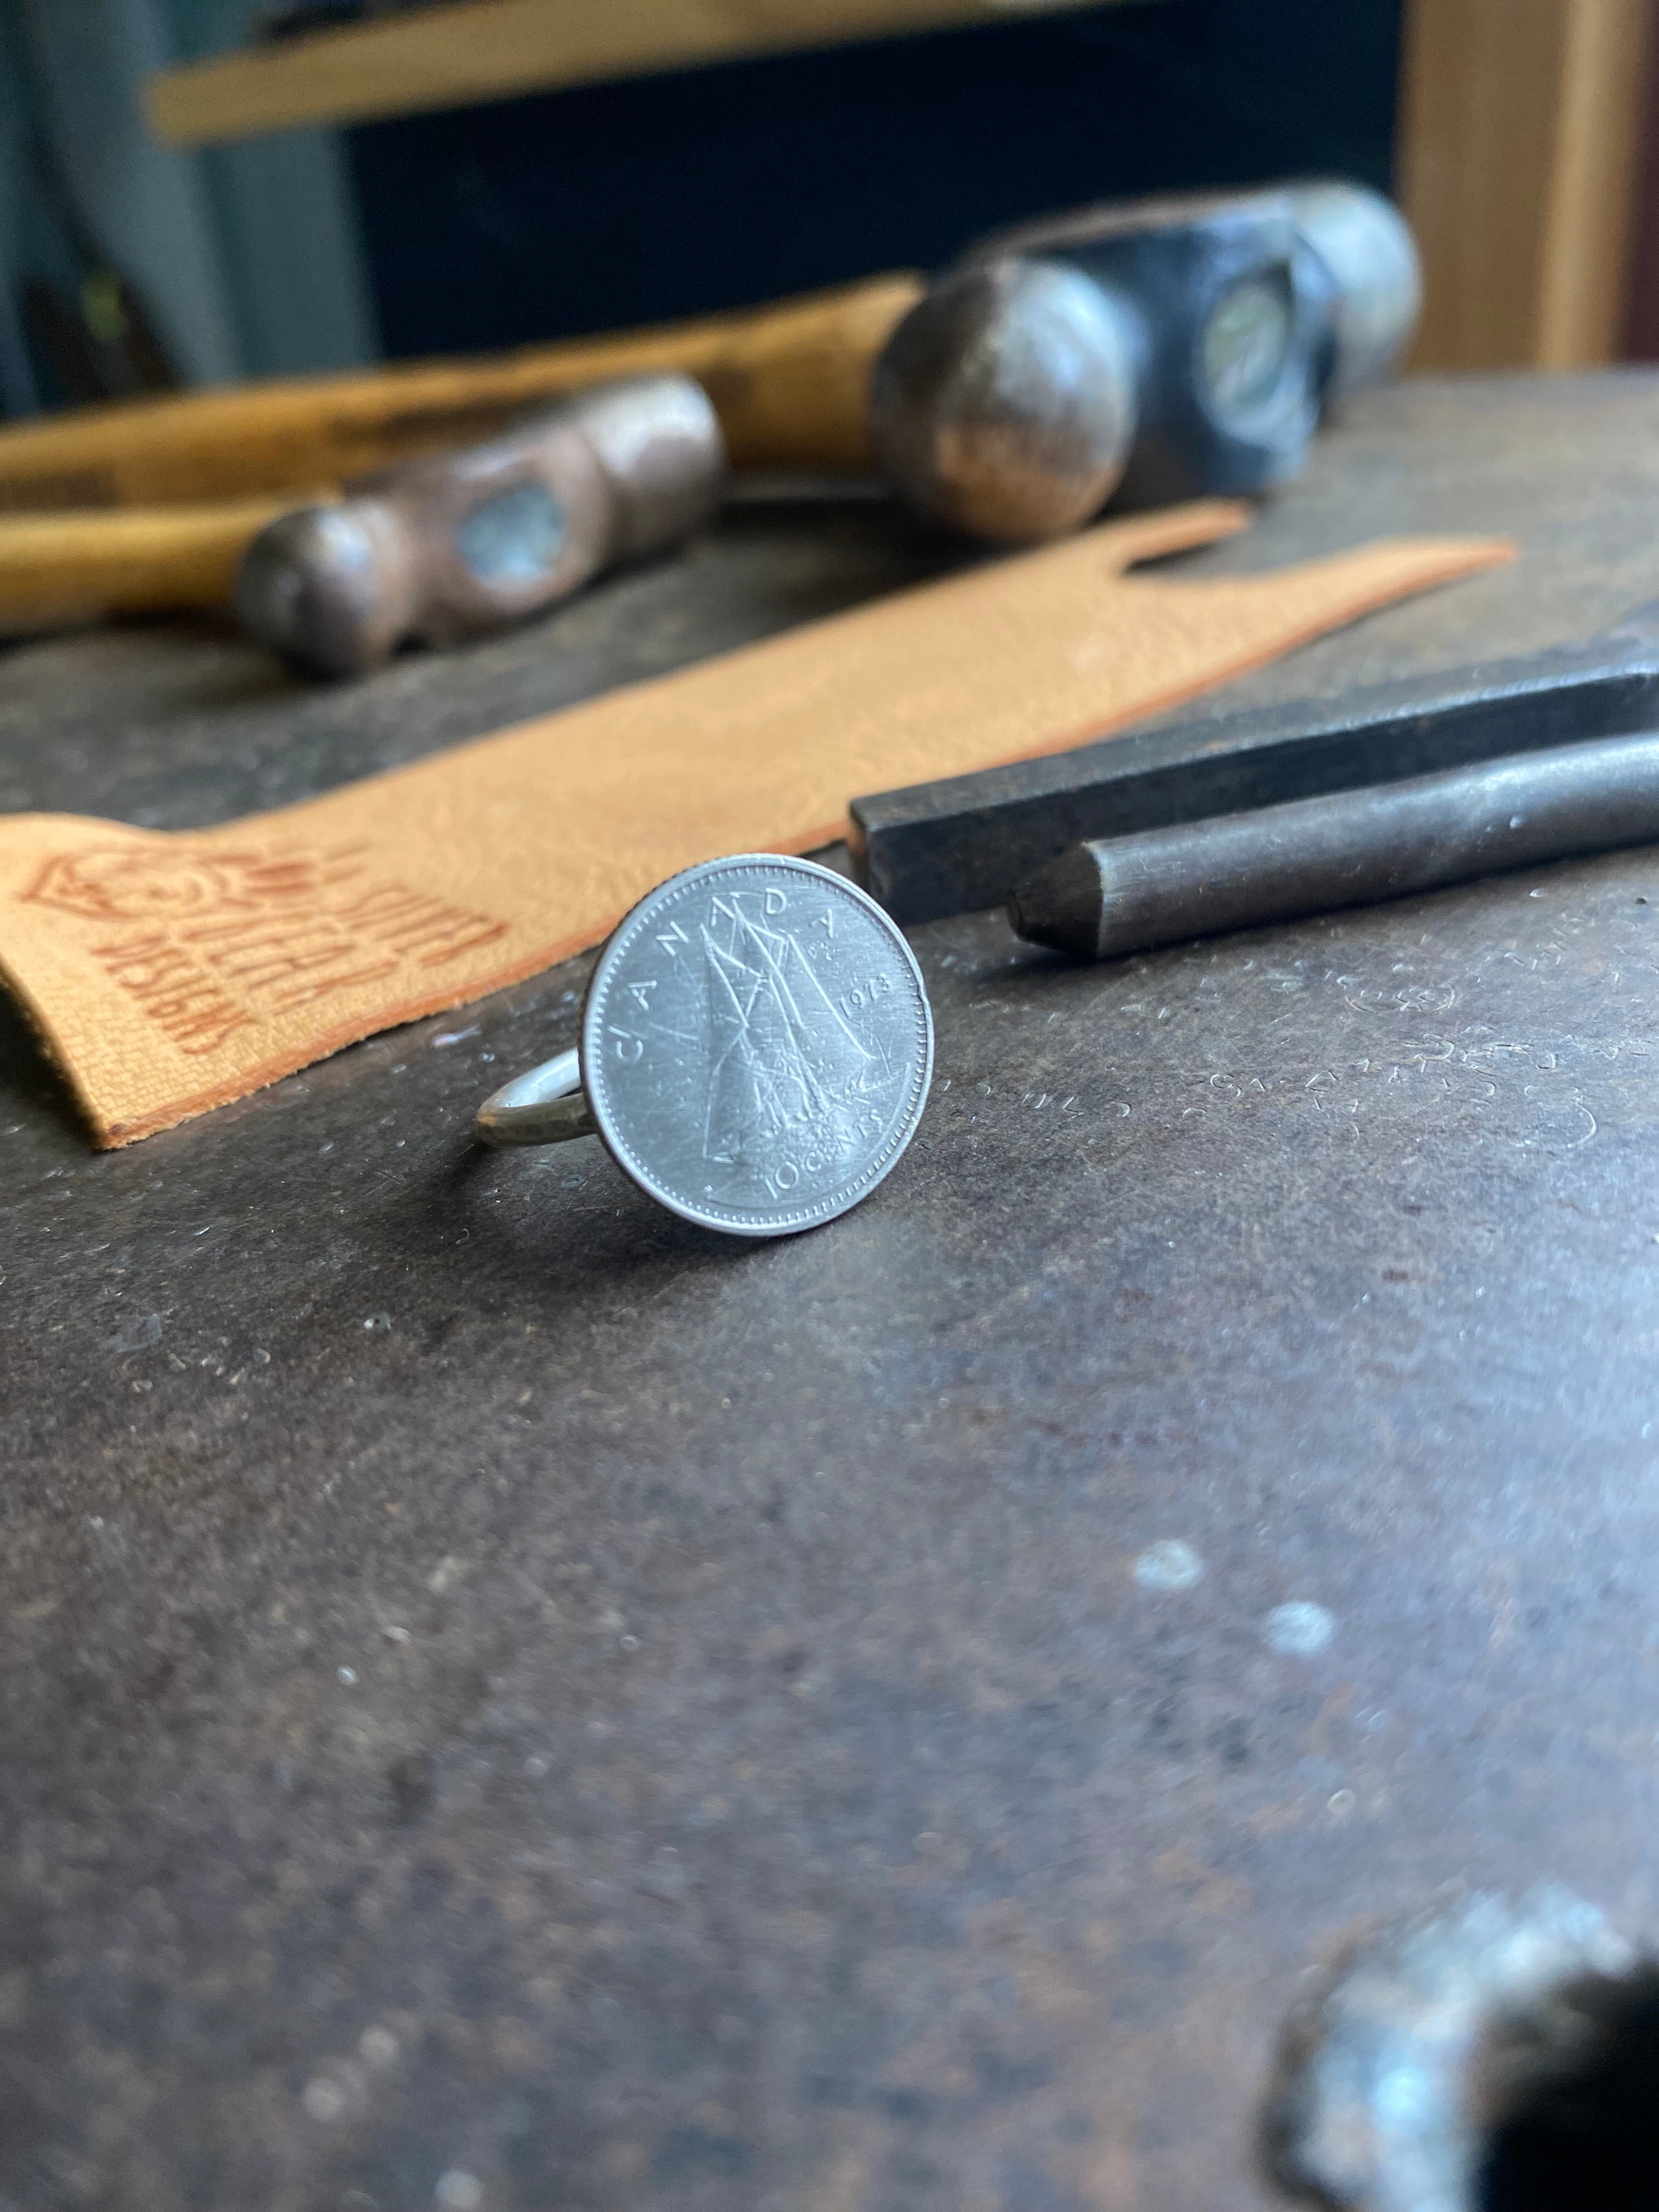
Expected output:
(451, 57)
(1522, 124)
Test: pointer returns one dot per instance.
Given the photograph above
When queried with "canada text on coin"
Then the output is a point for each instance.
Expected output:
(756, 1044)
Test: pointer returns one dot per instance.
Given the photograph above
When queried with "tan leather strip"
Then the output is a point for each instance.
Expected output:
(172, 971)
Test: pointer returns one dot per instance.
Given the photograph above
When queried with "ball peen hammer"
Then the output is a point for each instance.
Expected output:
(149, 506)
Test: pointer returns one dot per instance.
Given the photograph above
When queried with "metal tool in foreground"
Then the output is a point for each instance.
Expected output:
(969, 841)
(1482, 2057)
(1112, 895)
(1157, 350)
(458, 544)
(756, 1050)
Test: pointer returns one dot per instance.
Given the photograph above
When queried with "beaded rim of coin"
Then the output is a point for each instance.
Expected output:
(547, 1103)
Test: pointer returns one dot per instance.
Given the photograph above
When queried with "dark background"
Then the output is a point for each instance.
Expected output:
(629, 202)
(666, 196)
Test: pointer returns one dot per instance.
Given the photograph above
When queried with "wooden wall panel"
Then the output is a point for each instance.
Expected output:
(1520, 122)
(1642, 282)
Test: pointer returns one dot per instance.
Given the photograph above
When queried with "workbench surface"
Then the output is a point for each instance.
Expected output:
(513, 1702)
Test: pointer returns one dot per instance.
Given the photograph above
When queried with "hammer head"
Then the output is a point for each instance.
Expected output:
(457, 545)
(1219, 326)
(331, 589)
(1005, 402)
(1370, 257)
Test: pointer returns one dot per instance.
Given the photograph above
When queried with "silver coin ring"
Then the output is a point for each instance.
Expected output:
(756, 1050)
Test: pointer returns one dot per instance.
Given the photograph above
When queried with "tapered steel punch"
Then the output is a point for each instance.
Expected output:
(1173, 832)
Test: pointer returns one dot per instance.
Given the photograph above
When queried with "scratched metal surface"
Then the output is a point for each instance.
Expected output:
(513, 1702)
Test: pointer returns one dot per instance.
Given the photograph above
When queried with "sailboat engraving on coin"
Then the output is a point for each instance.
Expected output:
(785, 1060)
(757, 1044)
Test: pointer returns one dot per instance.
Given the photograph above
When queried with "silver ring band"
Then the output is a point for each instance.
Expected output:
(545, 1106)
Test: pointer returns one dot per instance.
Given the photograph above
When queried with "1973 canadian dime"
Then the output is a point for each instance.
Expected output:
(756, 1045)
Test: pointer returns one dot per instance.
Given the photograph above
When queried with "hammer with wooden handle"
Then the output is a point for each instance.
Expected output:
(790, 383)
(445, 547)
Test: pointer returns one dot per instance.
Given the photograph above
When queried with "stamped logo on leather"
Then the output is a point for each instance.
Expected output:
(206, 942)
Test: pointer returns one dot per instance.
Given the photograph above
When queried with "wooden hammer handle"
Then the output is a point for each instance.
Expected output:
(789, 381)
(58, 568)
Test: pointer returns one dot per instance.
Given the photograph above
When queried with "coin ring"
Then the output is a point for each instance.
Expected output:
(607, 1115)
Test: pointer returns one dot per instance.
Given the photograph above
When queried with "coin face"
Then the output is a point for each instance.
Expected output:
(756, 1045)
